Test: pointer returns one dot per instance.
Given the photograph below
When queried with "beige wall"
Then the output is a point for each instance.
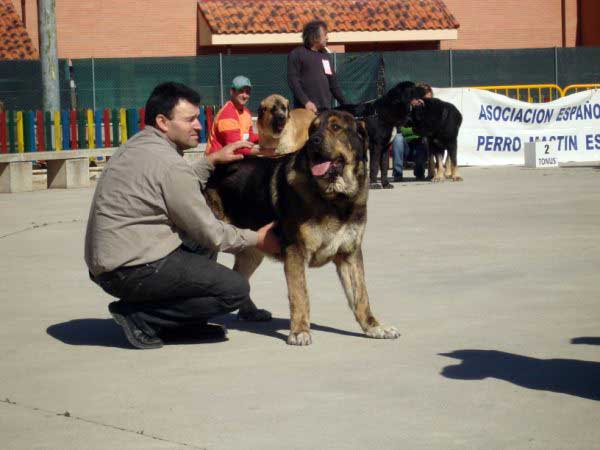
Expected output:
(511, 23)
(112, 28)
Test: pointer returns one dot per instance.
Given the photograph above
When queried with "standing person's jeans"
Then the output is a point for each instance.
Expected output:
(186, 287)
(399, 149)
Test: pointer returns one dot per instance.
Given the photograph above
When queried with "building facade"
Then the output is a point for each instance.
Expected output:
(114, 29)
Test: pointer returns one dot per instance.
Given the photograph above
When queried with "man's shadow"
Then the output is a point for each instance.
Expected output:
(106, 333)
(565, 376)
(95, 332)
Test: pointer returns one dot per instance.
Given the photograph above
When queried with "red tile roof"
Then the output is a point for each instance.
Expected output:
(289, 16)
(15, 42)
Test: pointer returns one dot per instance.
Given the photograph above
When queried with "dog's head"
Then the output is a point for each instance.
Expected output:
(337, 150)
(273, 114)
(417, 114)
(397, 100)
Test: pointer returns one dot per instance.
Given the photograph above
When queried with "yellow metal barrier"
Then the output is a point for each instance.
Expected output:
(579, 87)
(531, 93)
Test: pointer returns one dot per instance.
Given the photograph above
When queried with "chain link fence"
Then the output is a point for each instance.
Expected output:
(127, 82)
(21, 84)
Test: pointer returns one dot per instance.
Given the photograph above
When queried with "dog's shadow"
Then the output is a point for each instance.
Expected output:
(106, 333)
(277, 327)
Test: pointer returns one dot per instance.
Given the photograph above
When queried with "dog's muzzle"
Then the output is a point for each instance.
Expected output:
(278, 123)
(328, 169)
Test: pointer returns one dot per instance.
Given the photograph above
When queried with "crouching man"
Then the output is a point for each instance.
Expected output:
(151, 239)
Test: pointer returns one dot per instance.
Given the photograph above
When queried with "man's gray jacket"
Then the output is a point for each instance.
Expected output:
(148, 199)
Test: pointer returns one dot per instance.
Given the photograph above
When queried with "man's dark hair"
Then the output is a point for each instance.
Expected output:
(164, 97)
(310, 32)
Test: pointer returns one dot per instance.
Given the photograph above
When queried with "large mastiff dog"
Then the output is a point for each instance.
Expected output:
(280, 129)
(318, 196)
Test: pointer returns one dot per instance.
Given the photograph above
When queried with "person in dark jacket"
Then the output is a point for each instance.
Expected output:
(311, 76)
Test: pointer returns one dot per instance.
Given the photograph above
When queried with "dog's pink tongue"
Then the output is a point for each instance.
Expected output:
(320, 169)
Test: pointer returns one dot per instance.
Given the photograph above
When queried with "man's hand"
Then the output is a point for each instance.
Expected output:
(417, 102)
(311, 107)
(227, 154)
(267, 241)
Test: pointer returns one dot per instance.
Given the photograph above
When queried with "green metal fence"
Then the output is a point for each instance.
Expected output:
(21, 84)
(127, 82)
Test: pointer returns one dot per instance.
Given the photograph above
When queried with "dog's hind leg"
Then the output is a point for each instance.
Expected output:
(295, 275)
(452, 156)
(350, 269)
(246, 262)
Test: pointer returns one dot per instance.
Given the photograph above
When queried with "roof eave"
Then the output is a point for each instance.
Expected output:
(335, 37)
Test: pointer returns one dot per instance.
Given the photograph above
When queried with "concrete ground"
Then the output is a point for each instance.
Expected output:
(493, 283)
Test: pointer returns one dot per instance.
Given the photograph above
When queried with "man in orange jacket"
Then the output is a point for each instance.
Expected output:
(233, 122)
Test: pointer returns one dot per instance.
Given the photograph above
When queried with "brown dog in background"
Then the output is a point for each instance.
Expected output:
(280, 129)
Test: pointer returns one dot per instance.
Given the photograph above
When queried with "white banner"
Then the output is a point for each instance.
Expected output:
(495, 128)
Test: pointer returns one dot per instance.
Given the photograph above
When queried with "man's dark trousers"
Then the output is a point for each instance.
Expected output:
(186, 287)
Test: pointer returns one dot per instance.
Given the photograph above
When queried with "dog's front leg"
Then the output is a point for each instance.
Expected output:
(439, 172)
(430, 165)
(350, 269)
(295, 275)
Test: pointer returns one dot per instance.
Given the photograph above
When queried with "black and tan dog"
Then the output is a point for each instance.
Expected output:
(439, 122)
(382, 116)
(280, 129)
(318, 197)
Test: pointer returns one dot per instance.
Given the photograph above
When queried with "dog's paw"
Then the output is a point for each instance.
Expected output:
(437, 179)
(302, 338)
(374, 186)
(457, 178)
(383, 332)
(388, 186)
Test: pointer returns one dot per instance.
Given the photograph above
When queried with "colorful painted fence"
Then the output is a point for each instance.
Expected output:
(36, 131)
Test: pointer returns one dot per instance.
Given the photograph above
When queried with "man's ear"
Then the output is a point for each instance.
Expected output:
(162, 123)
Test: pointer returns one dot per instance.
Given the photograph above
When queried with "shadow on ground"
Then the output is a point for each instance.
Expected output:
(588, 340)
(106, 333)
(582, 166)
(96, 332)
(277, 327)
(565, 376)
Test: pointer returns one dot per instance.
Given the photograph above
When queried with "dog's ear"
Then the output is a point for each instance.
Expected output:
(287, 107)
(261, 111)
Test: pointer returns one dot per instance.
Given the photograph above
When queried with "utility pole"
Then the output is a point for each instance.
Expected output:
(47, 28)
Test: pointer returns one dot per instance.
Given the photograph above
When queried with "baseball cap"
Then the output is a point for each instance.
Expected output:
(240, 82)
